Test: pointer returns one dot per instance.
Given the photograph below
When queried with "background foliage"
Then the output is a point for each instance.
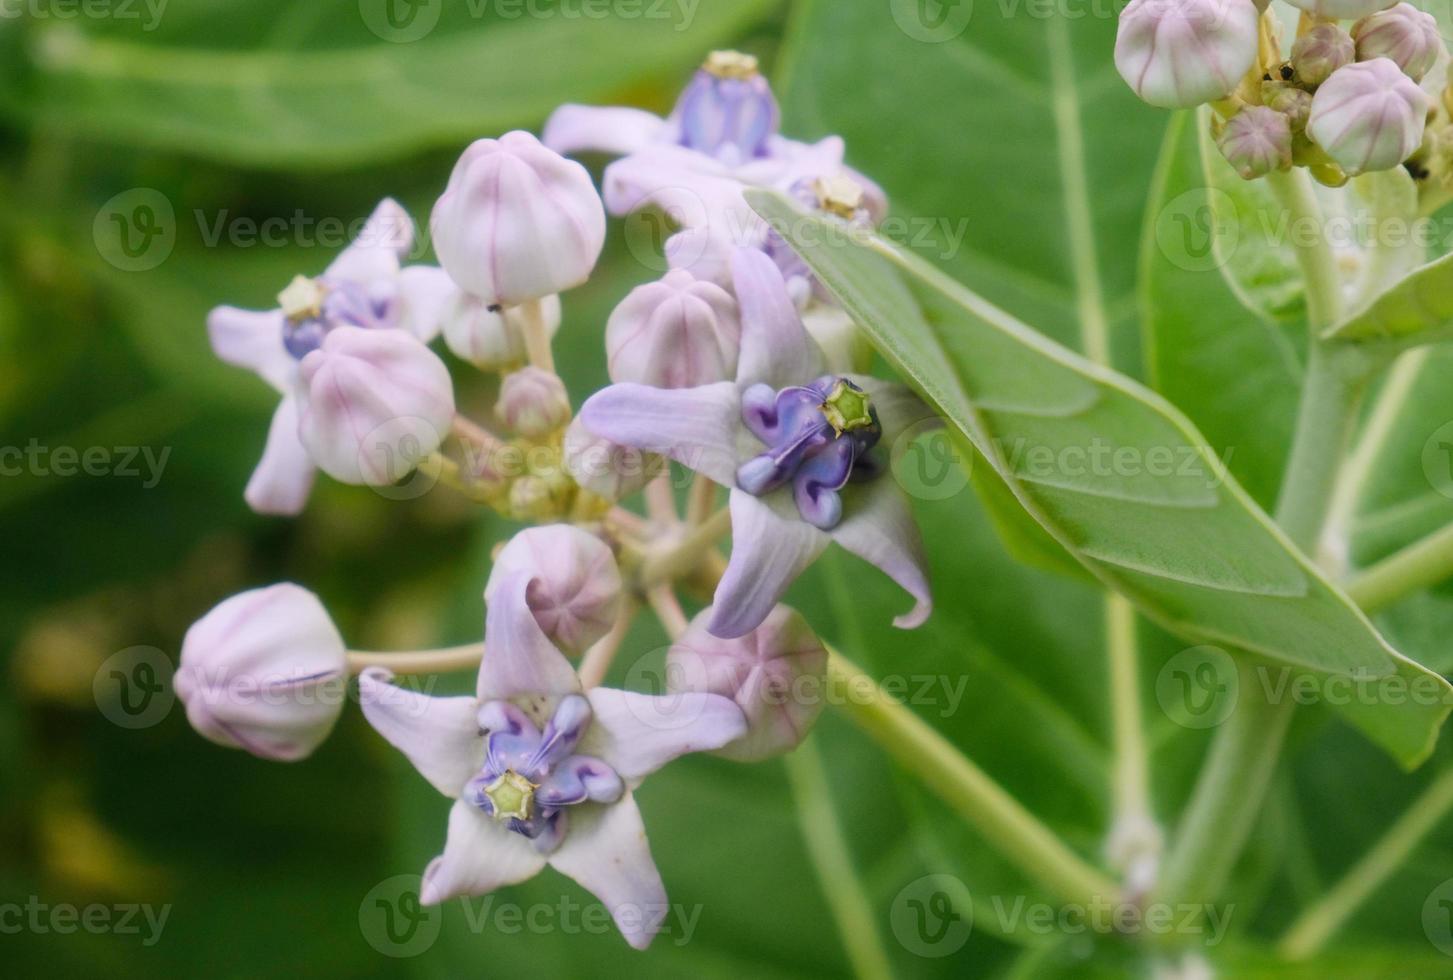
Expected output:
(1018, 162)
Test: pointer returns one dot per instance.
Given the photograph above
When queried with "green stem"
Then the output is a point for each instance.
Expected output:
(1418, 566)
(1003, 820)
(823, 834)
(441, 661)
(1135, 839)
(1315, 926)
(1293, 188)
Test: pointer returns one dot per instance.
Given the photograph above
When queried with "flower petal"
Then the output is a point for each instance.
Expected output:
(776, 348)
(636, 734)
(519, 660)
(440, 736)
(427, 294)
(879, 528)
(284, 476)
(771, 546)
(375, 253)
(616, 130)
(479, 856)
(252, 339)
(606, 851)
(697, 427)
(577, 779)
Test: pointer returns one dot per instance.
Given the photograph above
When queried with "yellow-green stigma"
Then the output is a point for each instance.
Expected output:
(730, 64)
(512, 796)
(839, 195)
(847, 408)
(303, 299)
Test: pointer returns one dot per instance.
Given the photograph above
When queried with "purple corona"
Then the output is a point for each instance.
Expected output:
(728, 111)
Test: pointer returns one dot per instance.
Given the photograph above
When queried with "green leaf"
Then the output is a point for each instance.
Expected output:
(1186, 544)
(331, 83)
(1415, 310)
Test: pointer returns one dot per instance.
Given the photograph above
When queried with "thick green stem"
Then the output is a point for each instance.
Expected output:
(1003, 821)
(1293, 188)
(1417, 567)
(1315, 926)
(441, 661)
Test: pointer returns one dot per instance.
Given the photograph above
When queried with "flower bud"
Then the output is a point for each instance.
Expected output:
(1181, 53)
(1341, 9)
(575, 586)
(680, 332)
(1256, 141)
(1403, 34)
(533, 402)
(1290, 101)
(606, 469)
(264, 671)
(777, 675)
(1368, 116)
(1320, 52)
(492, 338)
(373, 404)
(518, 221)
(728, 111)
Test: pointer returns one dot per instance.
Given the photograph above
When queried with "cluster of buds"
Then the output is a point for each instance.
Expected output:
(1341, 101)
(715, 366)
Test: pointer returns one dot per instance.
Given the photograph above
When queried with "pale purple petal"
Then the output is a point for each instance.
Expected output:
(427, 294)
(693, 190)
(607, 129)
(519, 660)
(254, 340)
(636, 734)
(479, 856)
(880, 529)
(776, 348)
(577, 779)
(697, 427)
(771, 546)
(284, 476)
(606, 851)
(375, 253)
(440, 736)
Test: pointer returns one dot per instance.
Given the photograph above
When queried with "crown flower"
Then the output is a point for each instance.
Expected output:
(1405, 35)
(1256, 141)
(1181, 53)
(575, 587)
(1369, 116)
(679, 332)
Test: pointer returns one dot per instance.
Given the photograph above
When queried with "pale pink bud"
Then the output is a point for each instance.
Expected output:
(1342, 9)
(1182, 53)
(492, 338)
(533, 402)
(575, 586)
(680, 332)
(777, 675)
(265, 671)
(1403, 34)
(518, 221)
(1290, 101)
(608, 470)
(374, 403)
(1368, 116)
(1256, 141)
(1320, 52)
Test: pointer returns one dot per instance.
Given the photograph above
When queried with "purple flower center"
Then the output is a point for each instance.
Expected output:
(728, 112)
(818, 437)
(529, 777)
(314, 307)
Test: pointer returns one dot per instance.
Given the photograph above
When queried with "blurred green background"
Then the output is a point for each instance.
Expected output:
(983, 124)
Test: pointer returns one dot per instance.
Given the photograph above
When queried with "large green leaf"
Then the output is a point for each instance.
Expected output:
(1187, 545)
(1416, 309)
(335, 82)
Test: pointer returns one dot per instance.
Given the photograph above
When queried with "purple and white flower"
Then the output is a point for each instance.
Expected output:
(794, 445)
(367, 287)
(541, 771)
(575, 585)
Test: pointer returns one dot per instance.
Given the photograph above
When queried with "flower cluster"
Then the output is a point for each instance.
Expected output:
(735, 365)
(1340, 101)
